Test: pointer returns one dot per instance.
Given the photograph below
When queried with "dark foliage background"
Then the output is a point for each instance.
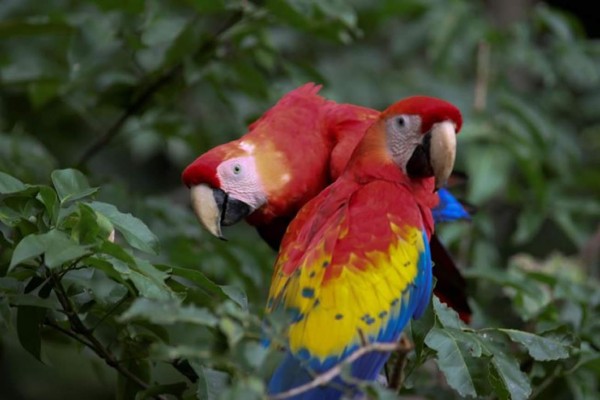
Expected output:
(117, 97)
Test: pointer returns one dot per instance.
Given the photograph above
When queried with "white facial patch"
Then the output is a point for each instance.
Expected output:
(403, 135)
(239, 179)
(247, 147)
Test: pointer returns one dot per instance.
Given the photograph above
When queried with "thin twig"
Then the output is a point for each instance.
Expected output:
(397, 377)
(78, 328)
(109, 313)
(67, 332)
(546, 382)
(139, 102)
(134, 107)
(333, 372)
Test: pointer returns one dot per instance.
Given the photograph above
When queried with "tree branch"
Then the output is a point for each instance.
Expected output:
(138, 102)
(74, 336)
(333, 372)
(78, 328)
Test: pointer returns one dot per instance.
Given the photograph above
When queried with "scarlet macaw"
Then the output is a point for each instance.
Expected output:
(289, 155)
(354, 265)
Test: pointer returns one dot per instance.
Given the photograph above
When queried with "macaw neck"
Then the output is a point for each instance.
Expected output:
(345, 125)
(372, 161)
(366, 169)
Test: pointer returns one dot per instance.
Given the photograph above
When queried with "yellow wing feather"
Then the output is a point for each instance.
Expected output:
(358, 303)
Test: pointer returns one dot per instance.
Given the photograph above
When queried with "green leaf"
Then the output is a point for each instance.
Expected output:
(237, 295)
(514, 381)
(247, 388)
(149, 270)
(211, 383)
(49, 199)
(29, 320)
(232, 330)
(148, 280)
(446, 315)
(9, 217)
(255, 354)
(497, 383)
(168, 313)
(539, 347)
(87, 228)
(70, 185)
(9, 285)
(162, 351)
(31, 246)
(198, 278)
(106, 291)
(118, 252)
(32, 300)
(57, 247)
(135, 232)
(451, 361)
(9, 184)
(219, 292)
(149, 287)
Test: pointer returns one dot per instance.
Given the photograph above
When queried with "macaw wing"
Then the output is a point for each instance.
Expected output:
(355, 272)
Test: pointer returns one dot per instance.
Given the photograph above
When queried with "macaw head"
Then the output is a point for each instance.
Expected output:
(270, 171)
(418, 134)
(225, 185)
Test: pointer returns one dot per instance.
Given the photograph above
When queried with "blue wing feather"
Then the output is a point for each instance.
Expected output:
(449, 208)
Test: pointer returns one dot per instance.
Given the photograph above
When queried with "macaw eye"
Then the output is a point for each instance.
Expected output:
(401, 121)
(237, 169)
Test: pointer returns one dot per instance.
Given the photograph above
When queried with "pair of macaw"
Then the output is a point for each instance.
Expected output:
(355, 189)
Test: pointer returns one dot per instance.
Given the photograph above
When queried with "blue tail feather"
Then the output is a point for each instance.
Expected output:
(291, 373)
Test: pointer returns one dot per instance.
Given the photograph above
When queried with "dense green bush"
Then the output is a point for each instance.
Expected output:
(103, 103)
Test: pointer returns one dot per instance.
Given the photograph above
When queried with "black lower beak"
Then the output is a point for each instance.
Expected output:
(419, 164)
(232, 209)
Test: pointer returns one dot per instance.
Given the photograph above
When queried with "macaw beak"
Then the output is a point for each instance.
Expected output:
(435, 155)
(215, 208)
(442, 152)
